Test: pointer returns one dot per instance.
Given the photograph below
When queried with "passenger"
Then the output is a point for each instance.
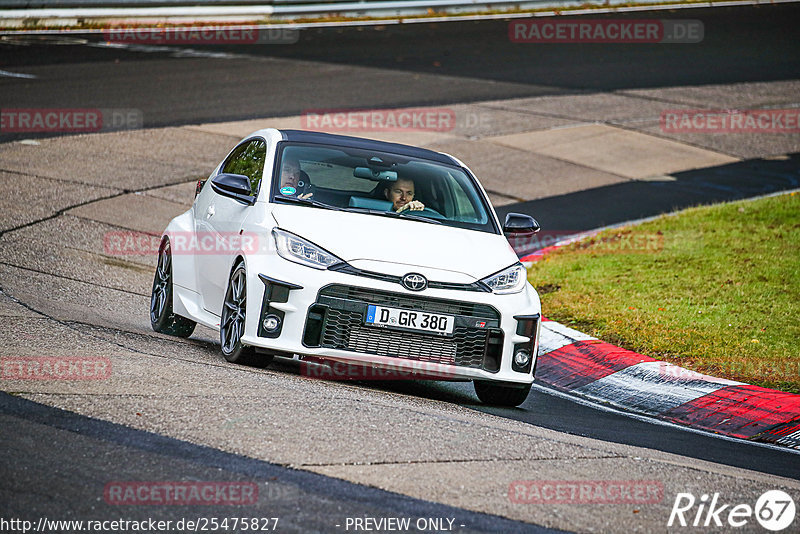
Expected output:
(401, 195)
(292, 176)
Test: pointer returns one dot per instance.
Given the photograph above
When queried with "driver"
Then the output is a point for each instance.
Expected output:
(292, 176)
(401, 195)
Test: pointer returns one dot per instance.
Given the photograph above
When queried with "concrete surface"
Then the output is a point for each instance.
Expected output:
(613, 150)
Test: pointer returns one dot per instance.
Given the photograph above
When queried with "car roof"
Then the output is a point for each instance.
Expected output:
(303, 136)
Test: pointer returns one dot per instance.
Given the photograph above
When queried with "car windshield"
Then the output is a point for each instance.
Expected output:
(380, 184)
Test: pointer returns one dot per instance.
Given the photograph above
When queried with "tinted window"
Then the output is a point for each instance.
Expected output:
(358, 180)
(248, 159)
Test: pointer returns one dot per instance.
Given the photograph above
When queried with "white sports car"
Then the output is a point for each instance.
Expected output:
(341, 249)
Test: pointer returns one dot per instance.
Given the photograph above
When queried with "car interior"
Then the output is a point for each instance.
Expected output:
(358, 180)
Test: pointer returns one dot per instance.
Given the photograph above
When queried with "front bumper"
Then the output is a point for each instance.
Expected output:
(322, 315)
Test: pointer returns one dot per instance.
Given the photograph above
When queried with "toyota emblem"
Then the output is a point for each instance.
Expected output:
(415, 282)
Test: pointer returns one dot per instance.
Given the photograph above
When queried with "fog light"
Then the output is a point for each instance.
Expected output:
(271, 323)
(521, 358)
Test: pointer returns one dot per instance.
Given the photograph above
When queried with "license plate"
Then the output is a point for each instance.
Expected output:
(410, 319)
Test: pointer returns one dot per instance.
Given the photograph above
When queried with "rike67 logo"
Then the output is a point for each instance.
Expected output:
(774, 510)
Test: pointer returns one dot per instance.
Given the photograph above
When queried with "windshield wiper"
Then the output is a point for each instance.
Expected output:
(411, 215)
(371, 211)
(307, 202)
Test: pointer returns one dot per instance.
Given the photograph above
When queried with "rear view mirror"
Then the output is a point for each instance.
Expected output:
(374, 174)
(235, 186)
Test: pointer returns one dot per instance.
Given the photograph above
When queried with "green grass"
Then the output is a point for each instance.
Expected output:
(715, 289)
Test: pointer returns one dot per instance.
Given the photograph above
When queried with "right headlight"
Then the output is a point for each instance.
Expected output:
(294, 248)
(509, 280)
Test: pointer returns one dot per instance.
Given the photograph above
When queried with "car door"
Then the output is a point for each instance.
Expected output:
(219, 221)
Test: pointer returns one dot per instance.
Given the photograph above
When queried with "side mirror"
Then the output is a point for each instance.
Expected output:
(517, 223)
(519, 229)
(235, 186)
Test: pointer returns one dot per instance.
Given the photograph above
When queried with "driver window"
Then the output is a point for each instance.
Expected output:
(248, 159)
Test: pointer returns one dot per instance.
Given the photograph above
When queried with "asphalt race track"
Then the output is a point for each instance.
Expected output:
(322, 452)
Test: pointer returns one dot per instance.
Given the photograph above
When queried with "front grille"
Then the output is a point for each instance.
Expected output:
(401, 345)
(399, 300)
(337, 321)
(433, 284)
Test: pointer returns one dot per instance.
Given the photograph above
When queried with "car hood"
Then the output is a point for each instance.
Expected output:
(395, 246)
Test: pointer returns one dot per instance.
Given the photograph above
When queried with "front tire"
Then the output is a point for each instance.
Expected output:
(231, 326)
(496, 394)
(162, 318)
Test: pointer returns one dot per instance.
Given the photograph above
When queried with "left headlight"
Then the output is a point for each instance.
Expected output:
(509, 280)
(294, 248)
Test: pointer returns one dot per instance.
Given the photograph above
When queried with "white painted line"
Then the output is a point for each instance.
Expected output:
(173, 51)
(17, 75)
(654, 421)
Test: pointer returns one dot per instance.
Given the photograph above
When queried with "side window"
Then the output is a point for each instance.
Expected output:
(248, 159)
(464, 208)
(468, 207)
